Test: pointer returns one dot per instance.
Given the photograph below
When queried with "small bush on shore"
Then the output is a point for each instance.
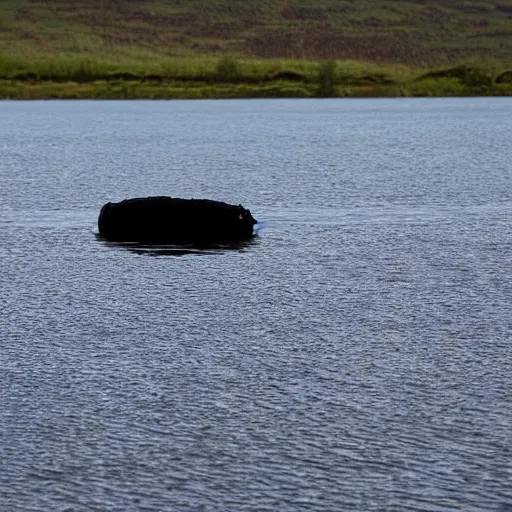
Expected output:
(327, 78)
(227, 70)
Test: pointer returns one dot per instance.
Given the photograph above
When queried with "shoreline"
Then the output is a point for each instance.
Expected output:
(66, 77)
(169, 90)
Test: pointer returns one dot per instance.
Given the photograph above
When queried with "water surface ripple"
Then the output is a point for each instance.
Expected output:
(354, 356)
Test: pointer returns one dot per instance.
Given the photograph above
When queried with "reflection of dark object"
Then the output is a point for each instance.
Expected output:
(171, 220)
(184, 249)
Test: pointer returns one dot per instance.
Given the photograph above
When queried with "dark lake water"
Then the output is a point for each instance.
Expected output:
(356, 355)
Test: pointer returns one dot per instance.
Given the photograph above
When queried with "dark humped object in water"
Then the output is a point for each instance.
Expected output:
(161, 220)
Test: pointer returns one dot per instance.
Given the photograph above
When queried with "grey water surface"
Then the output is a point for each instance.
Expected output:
(356, 355)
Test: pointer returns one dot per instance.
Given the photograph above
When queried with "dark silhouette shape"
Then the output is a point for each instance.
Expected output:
(289, 75)
(159, 220)
(505, 78)
(456, 72)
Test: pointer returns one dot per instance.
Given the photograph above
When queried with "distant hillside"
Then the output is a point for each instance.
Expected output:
(412, 32)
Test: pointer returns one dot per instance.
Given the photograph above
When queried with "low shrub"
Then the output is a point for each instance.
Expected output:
(227, 70)
(327, 79)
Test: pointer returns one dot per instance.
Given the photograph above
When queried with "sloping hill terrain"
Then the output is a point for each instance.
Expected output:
(412, 32)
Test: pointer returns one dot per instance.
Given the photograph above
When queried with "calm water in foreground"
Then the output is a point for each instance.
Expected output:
(357, 355)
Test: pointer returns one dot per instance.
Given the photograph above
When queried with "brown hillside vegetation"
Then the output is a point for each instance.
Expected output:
(254, 48)
(411, 32)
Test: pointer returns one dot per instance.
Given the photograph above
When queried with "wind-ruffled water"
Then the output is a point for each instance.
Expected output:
(355, 355)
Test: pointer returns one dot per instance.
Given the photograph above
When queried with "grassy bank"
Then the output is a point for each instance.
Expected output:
(80, 77)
